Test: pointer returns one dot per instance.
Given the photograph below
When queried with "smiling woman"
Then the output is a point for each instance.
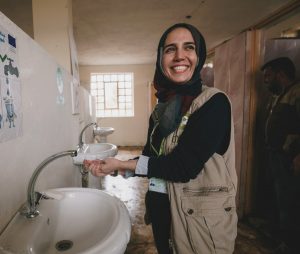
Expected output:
(189, 155)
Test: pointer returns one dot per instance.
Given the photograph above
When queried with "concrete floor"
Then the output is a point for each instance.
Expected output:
(132, 192)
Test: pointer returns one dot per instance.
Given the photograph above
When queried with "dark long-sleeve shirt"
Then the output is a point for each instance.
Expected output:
(207, 132)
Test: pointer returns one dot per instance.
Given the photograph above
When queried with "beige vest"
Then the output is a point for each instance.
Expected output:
(204, 218)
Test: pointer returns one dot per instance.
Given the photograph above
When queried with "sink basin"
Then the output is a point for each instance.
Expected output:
(103, 131)
(95, 151)
(72, 221)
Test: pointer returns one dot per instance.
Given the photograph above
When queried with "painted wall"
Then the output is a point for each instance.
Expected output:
(52, 23)
(47, 127)
(20, 12)
(129, 131)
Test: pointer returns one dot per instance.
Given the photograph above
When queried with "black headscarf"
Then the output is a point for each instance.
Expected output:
(176, 99)
(163, 85)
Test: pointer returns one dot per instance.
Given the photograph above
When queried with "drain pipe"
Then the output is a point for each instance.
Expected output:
(84, 176)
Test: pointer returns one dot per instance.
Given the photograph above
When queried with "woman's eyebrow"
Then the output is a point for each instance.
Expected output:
(170, 45)
(190, 43)
(174, 44)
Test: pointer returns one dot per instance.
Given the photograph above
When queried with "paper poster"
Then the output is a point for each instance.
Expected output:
(10, 87)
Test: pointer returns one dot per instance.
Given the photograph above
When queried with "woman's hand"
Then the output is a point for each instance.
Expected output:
(108, 166)
(94, 166)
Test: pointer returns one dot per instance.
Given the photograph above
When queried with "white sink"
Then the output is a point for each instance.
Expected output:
(103, 131)
(71, 221)
(95, 151)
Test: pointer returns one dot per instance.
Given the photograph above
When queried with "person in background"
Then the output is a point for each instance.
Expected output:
(189, 155)
(283, 145)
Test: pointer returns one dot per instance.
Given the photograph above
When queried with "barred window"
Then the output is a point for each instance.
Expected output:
(114, 94)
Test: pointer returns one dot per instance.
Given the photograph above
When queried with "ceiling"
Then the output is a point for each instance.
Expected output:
(117, 32)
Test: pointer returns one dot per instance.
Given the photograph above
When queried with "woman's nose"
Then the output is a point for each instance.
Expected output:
(179, 55)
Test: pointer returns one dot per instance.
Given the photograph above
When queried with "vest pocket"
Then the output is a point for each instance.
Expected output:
(211, 224)
(205, 191)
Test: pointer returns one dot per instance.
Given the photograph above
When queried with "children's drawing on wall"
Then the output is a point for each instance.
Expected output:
(60, 99)
(10, 88)
(9, 106)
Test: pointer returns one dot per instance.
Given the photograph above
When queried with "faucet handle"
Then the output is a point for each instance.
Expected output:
(37, 197)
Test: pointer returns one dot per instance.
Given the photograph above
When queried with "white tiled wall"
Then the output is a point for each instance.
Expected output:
(48, 128)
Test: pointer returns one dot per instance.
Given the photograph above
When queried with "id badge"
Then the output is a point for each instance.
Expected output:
(157, 185)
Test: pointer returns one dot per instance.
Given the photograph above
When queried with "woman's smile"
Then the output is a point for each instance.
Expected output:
(180, 68)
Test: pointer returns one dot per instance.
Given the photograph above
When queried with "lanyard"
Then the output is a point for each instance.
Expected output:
(156, 184)
(181, 127)
(162, 142)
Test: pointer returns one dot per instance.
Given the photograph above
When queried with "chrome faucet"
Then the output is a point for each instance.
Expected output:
(31, 195)
(80, 142)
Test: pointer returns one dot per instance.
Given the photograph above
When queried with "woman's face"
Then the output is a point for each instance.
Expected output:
(179, 57)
